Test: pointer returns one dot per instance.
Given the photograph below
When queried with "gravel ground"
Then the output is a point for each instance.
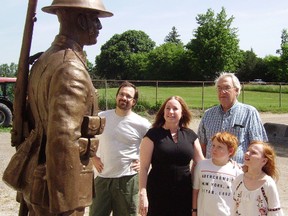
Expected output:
(9, 207)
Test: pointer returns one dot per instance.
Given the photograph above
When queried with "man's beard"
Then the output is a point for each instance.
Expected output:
(123, 105)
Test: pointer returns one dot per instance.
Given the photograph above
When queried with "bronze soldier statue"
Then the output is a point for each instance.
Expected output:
(55, 170)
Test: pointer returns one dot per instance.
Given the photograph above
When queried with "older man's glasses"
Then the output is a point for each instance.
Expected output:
(224, 89)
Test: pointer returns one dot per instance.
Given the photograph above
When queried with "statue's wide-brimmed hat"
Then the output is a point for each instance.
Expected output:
(91, 5)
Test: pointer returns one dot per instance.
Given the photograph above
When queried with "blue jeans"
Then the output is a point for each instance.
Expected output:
(117, 195)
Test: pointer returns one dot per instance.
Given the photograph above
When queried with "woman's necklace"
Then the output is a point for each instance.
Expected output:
(174, 134)
(175, 137)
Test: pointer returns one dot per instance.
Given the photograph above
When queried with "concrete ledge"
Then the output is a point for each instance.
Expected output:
(276, 131)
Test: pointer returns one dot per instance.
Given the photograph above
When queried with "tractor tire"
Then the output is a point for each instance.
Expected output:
(5, 116)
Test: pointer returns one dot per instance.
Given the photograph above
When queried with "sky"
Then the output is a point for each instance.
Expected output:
(259, 23)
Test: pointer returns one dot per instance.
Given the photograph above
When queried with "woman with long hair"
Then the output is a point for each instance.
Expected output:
(169, 146)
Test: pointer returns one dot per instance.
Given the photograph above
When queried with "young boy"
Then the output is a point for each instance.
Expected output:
(212, 188)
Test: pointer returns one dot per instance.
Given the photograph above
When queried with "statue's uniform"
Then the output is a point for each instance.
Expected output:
(60, 93)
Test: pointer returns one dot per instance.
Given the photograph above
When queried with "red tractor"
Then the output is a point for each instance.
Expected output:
(6, 100)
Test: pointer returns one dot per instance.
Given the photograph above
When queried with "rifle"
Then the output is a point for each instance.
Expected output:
(20, 92)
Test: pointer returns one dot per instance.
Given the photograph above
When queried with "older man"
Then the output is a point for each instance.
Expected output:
(232, 116)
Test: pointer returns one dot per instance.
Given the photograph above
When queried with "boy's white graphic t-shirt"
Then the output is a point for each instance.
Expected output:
(214, 183)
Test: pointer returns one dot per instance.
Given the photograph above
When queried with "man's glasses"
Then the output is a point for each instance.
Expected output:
(128, 97)
(224, 89)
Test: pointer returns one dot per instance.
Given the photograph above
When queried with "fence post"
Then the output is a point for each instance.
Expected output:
(243, 93)
(280, 95)
(203, 96)
(156, 93)
(106, 99)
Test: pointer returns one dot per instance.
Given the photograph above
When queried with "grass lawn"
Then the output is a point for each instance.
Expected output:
(267, 100)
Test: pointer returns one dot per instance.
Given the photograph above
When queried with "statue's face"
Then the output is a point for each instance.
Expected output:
(93, 27)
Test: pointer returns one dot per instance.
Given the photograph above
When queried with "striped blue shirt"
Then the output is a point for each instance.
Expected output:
(242, 120)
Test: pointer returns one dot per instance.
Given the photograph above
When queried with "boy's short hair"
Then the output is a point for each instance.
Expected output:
(228, 139)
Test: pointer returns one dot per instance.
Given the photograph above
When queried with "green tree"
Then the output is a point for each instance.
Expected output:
(215, 47)
(116, 54)
(283, 67)
(284, 41)
(246, 70)
(173, 37)
(261, 71)
(8, 70)
(166, 62)
(272, 73)
(137, 66)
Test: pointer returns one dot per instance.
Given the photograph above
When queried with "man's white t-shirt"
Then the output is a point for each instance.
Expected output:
(120, 142)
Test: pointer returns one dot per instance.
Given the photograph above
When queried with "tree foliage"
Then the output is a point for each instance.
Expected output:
(165, 62)
(247, 66)
(8, 70)
(215, 47)
(283, 72)
(173, 37)
(117, 54)
(137, 66)
(272, 69)
(284, 44)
